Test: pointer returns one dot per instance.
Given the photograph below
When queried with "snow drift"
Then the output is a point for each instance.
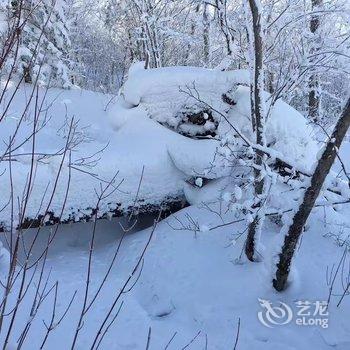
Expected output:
(135, 135)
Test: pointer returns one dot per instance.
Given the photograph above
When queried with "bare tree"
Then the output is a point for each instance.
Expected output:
(299, 220)
(258, 123)
(206, 34)
(314, 96)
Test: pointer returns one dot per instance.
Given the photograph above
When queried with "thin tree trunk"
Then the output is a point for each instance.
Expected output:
(270, 81)
(295, 230)
(131, 49)
(192, 33)
(314, 97)
(258, 122)
(27, 75)
(221, 13)
(206, 32)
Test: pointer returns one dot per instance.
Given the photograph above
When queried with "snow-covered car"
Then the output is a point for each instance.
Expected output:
(166, 126)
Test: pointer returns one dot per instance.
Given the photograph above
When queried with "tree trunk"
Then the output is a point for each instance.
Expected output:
(221, 13)
(258, 122)
(295, 230)
(192, 33)
(206, 32)
(314, 97)
(27, 75)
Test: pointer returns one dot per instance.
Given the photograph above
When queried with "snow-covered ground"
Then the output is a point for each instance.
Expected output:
(190, 283)
(194, 289)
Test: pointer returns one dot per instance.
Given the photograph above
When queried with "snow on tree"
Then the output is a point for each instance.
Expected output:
(258, 119)
(44, 43)
(108, 36)
(303, 34)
